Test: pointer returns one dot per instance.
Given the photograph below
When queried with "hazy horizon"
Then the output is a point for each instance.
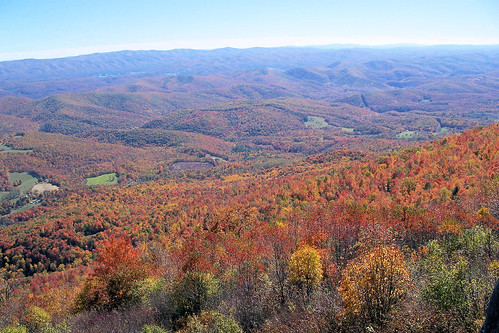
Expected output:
(55, 29)
(76, 53)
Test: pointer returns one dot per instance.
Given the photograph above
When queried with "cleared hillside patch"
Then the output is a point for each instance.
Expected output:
(3, 195)
(43, 187)
(105, 179)
(182, 166)
(316, 122)
(25, 181)
(405, 135)
(7, 149)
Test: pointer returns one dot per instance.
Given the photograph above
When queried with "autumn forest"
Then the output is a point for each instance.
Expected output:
(259, 190)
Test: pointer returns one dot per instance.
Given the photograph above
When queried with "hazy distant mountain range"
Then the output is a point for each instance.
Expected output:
(245, 95)
(36, 78)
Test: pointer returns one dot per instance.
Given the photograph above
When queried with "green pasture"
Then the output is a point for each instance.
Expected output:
(105, 179)
(316, 122)
(7, 149)
(27, 180)
(25, 207)
(406, 135)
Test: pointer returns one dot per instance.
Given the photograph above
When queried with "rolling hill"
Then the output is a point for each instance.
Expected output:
(224, 171)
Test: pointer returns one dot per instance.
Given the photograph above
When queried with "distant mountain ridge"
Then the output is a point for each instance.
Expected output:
(105, 68)
(299, 100)
(180, 61)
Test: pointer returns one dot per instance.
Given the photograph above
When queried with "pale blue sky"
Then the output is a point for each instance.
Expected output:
(55, 28)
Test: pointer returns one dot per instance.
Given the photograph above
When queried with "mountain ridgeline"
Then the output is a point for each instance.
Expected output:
(292, 189)
(413, 93)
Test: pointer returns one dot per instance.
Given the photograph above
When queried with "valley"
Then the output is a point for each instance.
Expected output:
(262, 189)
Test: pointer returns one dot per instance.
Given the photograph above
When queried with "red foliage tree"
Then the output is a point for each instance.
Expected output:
(118, 269)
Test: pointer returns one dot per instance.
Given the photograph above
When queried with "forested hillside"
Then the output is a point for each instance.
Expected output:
(341, 241)
(250, 190)
(249, 166)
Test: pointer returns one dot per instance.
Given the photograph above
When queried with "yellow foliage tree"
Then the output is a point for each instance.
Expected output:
(373, 282)
(483, 212)
(305, 268)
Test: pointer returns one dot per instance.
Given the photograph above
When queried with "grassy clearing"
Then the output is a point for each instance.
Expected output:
(347, 129)
(7, 149)
(27, 181)
(216, 158)
(316, 122)
(444, 129)
(105, 179)
(406, 135)
(27, 206)
(16, 151)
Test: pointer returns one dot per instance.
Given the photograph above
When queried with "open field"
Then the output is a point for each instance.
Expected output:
(27, 181)
(105, 179)
(25, 207)
(23, 183)
(406, 135)
(316, 122)
(7, 149)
